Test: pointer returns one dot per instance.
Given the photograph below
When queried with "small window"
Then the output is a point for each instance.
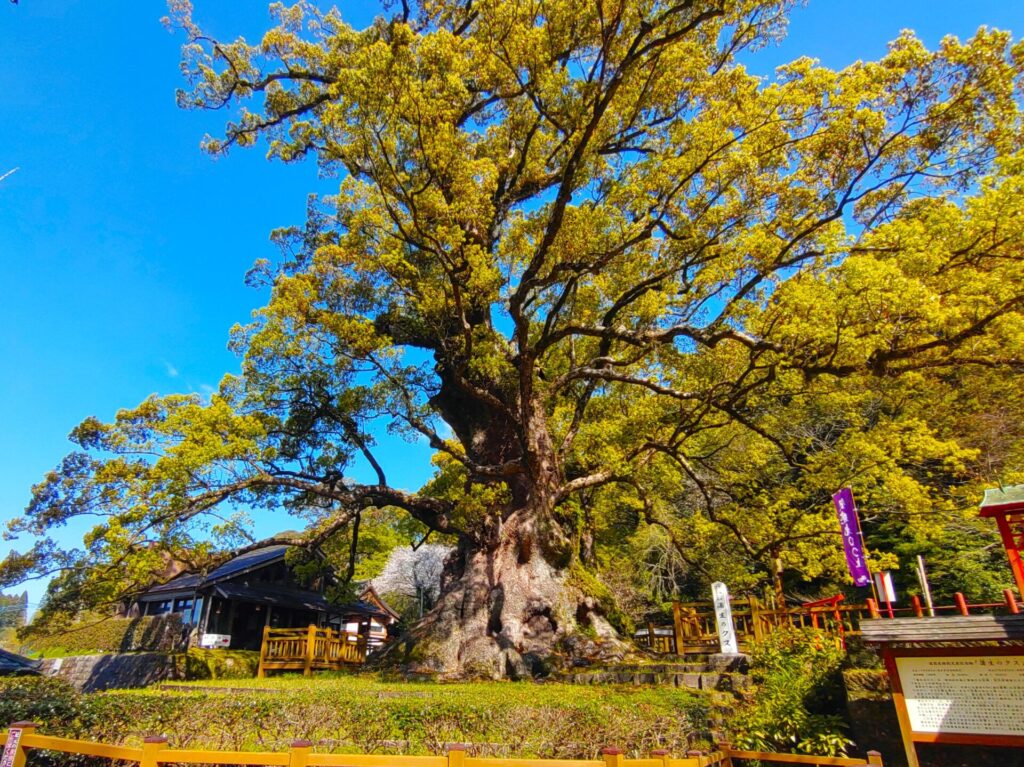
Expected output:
(183, 605)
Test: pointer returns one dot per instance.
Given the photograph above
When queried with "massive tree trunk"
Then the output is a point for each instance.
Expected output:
(507, 611)
(512, 604)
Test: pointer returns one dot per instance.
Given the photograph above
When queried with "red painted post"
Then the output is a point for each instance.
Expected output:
(1011, 602)
(961, 604)
(915, 600)
(873, 608)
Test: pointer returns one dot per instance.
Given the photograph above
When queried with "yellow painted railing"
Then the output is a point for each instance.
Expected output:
(694, 630)
(154, 752)
(309, 649)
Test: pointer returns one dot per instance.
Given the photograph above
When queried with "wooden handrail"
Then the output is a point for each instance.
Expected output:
(309, 649)
(155, 752)
(693, 628)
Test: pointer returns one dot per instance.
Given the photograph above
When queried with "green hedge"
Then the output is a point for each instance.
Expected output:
(363, 715)
(160, 633)
(221, 664)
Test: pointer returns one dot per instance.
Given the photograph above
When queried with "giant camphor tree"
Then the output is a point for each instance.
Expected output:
(571, 240)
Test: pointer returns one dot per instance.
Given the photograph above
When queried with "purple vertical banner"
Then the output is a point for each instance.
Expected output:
(853, 545)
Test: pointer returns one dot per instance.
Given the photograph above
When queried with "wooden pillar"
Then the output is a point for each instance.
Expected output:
(874, 758)
(652, 637)
(915, 600)
(1012, 551)
(1011, 603)
(961, 603)
(204, 619)
(872, 608)
(310, 648)
(261, 671)
(901, 707)
(677, 627)
(755, 618)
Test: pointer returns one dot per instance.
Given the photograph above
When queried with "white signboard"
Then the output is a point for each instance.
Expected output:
(964, 694)
(13, 741)
(215, 640)
(723, 618)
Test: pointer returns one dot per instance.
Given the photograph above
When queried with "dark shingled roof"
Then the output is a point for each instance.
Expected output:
(248, 561)
(243, 563)
(359, 607)
(265, 594)
(185, 583)
(12, 665)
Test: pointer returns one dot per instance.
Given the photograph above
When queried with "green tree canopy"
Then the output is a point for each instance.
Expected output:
(572, 246)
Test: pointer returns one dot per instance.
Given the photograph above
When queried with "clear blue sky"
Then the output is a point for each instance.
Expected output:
(123, 247)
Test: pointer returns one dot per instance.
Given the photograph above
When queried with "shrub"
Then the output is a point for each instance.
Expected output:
(104, 634)
(798, 690)
(40, 699)
(220, 664)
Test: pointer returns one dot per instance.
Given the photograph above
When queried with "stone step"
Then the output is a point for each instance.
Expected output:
(721, 681)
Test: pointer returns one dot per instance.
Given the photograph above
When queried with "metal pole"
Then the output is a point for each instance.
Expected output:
(922, 576)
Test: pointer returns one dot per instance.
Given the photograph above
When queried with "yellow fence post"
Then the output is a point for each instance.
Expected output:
(677, 627)
(298, 755)
(726, 749)
(26, 728)
(310, 649)
(660, 753)
(456, 754)
(874, 758)
(613, 757)
(151, 748)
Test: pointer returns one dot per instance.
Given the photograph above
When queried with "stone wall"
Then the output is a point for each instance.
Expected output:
(89, 673)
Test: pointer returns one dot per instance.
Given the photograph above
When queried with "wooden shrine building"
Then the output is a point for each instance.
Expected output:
(232, 604)
(234, 601)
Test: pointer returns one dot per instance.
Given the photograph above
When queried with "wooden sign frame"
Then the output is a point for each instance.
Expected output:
(910, 736)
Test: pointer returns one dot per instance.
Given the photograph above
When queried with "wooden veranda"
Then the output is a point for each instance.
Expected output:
(310, 649)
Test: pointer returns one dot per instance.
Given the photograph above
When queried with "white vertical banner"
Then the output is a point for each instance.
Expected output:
(723, 618)
(11, 749)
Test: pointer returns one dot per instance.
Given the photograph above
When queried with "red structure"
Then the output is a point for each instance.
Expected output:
(1006, 506)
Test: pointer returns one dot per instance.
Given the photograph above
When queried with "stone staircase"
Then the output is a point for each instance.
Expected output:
(696, 672)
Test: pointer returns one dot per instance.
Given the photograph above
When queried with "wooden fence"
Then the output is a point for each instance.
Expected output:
(309, 649)
(694, 630)
(154, 752)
